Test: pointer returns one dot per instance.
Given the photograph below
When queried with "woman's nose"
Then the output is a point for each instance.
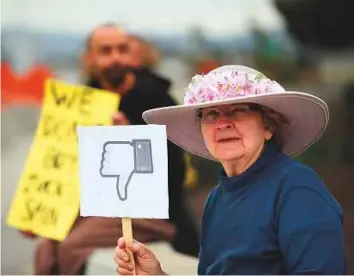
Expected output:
(223, 123)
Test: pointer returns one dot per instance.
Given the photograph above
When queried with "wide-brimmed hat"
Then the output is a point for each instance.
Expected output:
(307, 114)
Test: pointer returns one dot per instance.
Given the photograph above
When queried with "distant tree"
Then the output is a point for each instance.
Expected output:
(5, 52)
(202, 55)
(270, 57)
(198, 38)
(324, 24)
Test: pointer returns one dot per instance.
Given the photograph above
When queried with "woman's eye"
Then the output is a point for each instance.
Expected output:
(236, 111)
(211, 115)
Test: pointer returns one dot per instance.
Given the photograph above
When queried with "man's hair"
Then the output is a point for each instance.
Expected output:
(90, 34)
(150, 53)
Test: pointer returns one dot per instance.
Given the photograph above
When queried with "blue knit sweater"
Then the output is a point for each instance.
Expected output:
(276, 218)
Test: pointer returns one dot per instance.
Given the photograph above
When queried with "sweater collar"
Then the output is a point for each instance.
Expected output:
(270, 152)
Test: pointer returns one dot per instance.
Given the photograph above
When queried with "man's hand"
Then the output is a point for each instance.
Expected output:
(119, 119)
(28, 234)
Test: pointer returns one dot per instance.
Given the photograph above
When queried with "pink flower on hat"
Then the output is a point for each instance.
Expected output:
(228, 84)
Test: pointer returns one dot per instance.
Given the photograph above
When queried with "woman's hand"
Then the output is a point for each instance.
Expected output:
(146, 262)
(120, 119)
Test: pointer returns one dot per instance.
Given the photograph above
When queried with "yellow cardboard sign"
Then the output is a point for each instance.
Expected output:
(47, 199)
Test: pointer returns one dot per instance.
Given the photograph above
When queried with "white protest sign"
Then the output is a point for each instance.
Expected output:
(123, 171)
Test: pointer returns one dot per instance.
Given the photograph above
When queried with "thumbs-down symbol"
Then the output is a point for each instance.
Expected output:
(121, 159)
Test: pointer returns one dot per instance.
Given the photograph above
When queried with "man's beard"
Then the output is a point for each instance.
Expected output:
(115, 75)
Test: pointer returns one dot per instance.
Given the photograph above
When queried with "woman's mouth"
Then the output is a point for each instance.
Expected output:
(228, 140)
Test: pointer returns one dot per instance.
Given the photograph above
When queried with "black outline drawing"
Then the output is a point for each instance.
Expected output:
(135, 143)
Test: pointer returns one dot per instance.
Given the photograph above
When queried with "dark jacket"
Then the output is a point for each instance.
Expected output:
(151, 91)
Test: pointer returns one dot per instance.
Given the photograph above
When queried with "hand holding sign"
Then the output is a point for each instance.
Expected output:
(119, 119)
(123, 173)
(113, 151)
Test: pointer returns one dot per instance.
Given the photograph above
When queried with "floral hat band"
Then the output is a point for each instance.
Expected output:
(233, 84)
(222, 85)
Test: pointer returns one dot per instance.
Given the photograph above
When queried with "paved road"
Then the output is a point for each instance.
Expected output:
(17, 129)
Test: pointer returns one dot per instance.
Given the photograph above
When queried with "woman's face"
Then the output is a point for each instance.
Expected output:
(232, 132)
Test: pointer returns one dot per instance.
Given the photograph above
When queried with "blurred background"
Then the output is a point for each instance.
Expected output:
(306, 45)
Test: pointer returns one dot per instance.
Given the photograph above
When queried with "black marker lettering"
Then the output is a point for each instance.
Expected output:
(37, 210)
(58, 128)
(32, 179)
(56, 159)
(50, 188)
(66, 99)
(85, 101)
(52, 159)
(31, 208)
(48, 126)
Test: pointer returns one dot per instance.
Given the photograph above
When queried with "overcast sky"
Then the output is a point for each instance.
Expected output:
(225, 17)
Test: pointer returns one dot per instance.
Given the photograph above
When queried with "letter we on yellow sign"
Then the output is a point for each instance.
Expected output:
(47, 199)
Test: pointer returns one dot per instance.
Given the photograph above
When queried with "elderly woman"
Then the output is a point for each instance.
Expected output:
(268, 214)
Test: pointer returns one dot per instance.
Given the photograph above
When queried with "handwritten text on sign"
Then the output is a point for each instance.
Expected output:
(47, 200)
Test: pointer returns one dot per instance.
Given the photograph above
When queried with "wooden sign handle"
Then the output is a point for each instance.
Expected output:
(128, 236)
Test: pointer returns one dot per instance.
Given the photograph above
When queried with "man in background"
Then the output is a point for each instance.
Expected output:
(149, 53)
(114, 62)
